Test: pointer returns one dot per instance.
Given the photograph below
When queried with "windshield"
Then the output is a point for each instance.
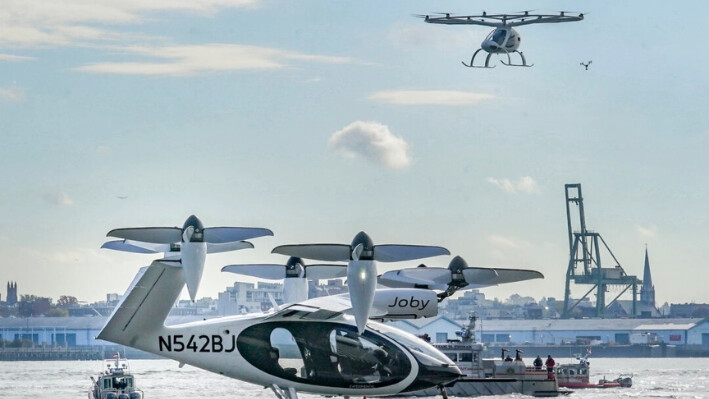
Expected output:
(423, 351)
(498, 36)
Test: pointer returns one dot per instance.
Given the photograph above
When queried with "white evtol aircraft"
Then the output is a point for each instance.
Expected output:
(188, 245)
(504, 39)
(313, 346)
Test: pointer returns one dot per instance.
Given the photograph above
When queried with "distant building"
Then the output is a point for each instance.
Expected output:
(698, 310)
(568, 331)
(647, 291)
(11, 293)
(246, 298)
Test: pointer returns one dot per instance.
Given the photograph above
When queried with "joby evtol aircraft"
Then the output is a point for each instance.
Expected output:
(504, 39)
(314, 345)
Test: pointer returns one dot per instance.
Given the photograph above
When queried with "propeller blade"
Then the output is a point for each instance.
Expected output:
(227, 247)
(479, 275)
(265, 271)
(325, 272)
(435, 278)
(513, 275)
(122, 245)
(399, 253)
(324, 252)
(157, 235)
(362, 284)
(220, 235)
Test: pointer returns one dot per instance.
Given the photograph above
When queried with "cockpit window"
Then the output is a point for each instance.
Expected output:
(498, 36)
(423, 351)
(323, 354)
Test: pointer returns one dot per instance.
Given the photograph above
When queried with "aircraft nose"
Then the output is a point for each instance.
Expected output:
(434, 376)
(489, 46)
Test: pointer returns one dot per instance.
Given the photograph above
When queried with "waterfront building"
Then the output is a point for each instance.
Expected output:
(568, 331)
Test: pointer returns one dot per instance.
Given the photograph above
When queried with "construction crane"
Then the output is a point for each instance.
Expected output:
(585, 267)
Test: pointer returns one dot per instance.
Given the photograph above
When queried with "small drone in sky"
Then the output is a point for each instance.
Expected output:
(504, 39)
(586, 64)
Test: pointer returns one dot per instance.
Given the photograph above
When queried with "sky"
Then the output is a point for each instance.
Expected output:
(320, 119)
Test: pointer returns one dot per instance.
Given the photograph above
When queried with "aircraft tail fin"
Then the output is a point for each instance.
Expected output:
(145, 305)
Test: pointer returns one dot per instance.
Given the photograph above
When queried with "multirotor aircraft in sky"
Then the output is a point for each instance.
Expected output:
(188, 245)
(504, 39)
(313, 346)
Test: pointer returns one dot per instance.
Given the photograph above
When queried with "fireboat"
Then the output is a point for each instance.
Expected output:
(484, 377)
(577, 376)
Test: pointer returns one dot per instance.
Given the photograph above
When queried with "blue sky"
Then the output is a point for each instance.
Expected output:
(319, 119)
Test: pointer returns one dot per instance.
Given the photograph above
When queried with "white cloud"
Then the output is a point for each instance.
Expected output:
(14, 58)
(647, 232)
(12, 94)
(59, 197)
(429, 97)
(524, 184)
(53, 22)
(190, 60)
(372, 141)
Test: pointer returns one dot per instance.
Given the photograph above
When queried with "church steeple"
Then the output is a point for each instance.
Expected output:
(647, 292)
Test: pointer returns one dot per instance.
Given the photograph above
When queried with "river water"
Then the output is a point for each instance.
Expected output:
(162, 379)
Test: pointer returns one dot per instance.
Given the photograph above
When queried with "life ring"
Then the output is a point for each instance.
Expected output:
(510, 370)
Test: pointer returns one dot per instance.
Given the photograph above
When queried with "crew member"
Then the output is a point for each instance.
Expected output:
(538, 363)
(550, 363)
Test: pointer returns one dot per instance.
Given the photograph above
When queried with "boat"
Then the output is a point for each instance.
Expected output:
(484, 377)
(115, 381)
(578, 376)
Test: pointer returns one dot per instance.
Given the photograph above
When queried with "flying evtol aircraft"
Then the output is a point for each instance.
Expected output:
(504, 39)
(187, 246)
(313, 346)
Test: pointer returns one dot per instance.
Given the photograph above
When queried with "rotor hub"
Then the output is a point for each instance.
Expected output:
(193, 229)
(367, 246)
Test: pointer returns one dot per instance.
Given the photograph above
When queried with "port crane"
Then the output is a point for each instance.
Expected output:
(585, 266)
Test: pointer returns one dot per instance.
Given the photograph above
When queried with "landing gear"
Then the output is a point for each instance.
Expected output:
(487, 60)
(523, 64)
(472, 61)
(281, 393)
(444, 394)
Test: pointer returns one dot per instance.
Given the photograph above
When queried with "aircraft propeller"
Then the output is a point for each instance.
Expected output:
(294, 273)
(192, 242)
(361, 256)
(458, 275)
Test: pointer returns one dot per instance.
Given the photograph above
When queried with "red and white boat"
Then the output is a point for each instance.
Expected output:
(577, 376)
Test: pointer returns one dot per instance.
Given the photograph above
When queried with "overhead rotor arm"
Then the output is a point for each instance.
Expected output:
(498, 20)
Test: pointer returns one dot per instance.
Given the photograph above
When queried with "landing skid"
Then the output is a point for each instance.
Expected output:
(472, 61)
(523, 64)
(487, 60)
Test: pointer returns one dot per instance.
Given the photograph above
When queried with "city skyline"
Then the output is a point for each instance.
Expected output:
(318, 120)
